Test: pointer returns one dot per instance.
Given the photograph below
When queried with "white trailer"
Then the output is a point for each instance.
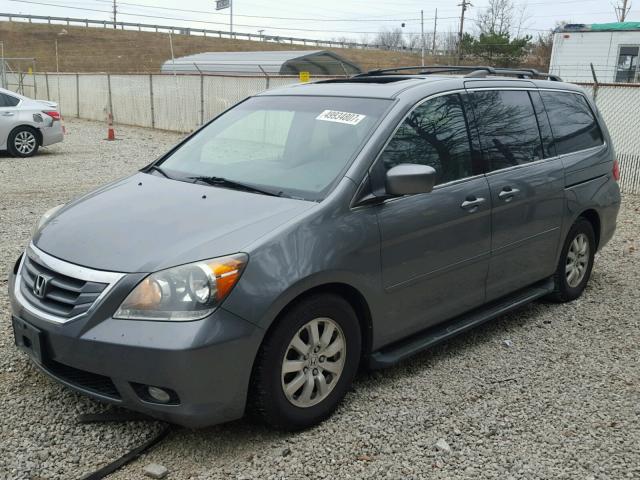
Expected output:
(612, 48)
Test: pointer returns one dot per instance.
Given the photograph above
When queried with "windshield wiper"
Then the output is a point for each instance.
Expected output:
(226, 183)
(160, 170)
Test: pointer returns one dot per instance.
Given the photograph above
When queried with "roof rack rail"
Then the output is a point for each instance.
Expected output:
(475, 71)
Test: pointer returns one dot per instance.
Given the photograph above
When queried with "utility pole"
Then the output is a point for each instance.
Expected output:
(231, 17)
(464, 5)
(435, 30)
(621, 12)
(422, 30)
(115, 13)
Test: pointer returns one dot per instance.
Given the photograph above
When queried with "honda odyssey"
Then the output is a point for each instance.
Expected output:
(315, 229)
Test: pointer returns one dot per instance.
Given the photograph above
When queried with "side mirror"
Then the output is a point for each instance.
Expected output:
(410, 178)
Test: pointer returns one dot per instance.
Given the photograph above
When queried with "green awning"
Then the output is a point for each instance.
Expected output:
(615, 26)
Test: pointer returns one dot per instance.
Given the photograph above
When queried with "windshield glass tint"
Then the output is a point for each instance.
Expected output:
(297, 145)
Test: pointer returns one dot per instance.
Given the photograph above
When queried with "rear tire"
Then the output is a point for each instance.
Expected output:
(23, 142)
(306, 364)
(576, 262)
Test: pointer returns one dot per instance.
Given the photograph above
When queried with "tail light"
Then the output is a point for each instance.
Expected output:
(53, 114)
(616, 170)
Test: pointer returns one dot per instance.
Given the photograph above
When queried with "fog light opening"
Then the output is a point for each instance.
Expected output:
(154, 394)
(158, 394)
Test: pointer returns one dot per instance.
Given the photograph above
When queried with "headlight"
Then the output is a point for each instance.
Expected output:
(187, 292)
(45, 218)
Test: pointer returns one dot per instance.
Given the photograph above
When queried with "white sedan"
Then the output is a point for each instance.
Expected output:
(26, 124)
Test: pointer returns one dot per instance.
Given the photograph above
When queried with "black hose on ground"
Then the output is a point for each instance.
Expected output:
(114, 416)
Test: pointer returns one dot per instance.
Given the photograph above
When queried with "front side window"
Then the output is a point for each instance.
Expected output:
(507, 127)
(573, 124)
(291, 145)
(433, 134)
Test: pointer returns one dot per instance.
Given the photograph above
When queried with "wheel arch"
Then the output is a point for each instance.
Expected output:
(592, 216)
(35, 130)
(349, 293)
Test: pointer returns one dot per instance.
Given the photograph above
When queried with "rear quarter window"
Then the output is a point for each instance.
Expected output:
(573, 123)
(8, 100)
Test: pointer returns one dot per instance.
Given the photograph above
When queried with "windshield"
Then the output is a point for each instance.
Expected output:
(296, 146)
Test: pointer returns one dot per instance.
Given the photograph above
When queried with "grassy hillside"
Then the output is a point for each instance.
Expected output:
(107, 50)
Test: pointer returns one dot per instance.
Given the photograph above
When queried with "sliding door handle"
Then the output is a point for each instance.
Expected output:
(508, 193)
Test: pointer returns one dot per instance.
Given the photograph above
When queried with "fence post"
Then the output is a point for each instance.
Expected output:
(595, 83)
(78, 95)
(201, 99)
(109, 94)
(266, 76)
(153, 113)
(46, 82)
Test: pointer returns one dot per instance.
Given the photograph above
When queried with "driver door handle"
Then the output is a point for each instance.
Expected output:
(472, 204)
(8, 114)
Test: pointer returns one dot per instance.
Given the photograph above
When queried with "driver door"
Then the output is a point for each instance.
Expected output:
(435, 246)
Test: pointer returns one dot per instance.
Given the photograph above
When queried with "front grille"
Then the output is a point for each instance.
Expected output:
(64, 296)
(83, 379)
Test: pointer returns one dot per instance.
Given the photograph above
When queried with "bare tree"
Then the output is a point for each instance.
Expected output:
(522, 18)
(497, 18)
(391, 39)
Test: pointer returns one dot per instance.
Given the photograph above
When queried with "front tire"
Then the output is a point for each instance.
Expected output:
(576, 262)
(307, 363)
(23, 142)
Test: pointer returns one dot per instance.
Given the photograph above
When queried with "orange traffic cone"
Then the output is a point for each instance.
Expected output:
(111, 133)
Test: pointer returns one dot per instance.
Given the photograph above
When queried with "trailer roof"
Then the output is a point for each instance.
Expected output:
(601, 27)
(278, 62)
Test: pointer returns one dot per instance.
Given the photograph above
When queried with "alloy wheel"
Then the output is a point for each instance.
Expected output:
(313, 362)
(25, 142)
(577, 260)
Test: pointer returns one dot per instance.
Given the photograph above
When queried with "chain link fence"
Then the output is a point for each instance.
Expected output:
(619, 104)
(169, 102)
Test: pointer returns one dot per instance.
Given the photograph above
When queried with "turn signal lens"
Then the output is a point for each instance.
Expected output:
(187, 292)
(226, 274)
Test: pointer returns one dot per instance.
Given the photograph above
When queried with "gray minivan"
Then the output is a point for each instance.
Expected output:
(315, 229)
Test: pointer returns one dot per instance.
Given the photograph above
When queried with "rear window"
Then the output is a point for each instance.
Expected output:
(573, 123)
(508, 128)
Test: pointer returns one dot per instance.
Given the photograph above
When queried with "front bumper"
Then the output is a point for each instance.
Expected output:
(207, 363)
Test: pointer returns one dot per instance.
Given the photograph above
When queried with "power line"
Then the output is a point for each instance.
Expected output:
(196, 21)
(270, 17)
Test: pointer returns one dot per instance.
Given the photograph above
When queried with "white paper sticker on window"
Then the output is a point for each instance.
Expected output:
(341, 117)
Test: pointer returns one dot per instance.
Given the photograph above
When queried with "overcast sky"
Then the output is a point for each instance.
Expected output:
(324, 19)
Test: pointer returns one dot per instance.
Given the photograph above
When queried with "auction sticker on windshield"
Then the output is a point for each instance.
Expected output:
(341, 117)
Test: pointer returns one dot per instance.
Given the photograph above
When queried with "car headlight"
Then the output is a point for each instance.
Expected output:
(45, 218)
(187, 292)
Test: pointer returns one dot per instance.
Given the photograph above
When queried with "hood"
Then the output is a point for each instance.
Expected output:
(146, 223)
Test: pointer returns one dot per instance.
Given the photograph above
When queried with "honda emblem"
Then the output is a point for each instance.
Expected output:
(40, 286)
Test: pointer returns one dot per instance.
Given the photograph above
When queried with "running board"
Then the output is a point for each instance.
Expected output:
(398, 351)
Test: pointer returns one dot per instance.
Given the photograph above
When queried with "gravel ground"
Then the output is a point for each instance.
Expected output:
(550, 391)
